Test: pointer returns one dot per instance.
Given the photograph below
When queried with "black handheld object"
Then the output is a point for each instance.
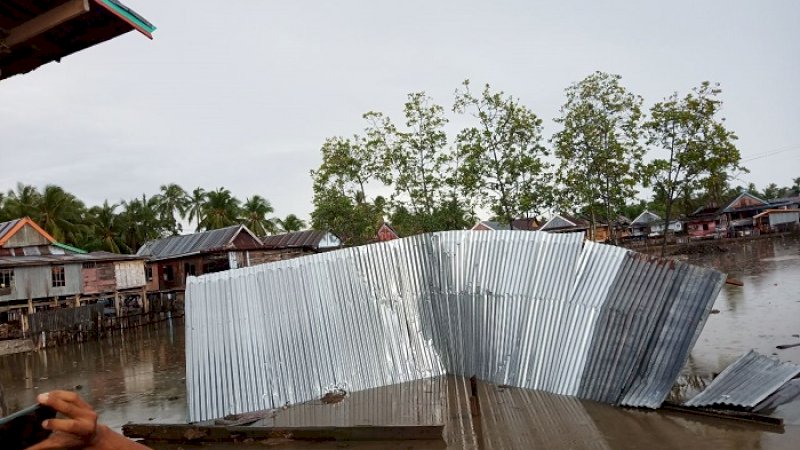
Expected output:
(24, 428)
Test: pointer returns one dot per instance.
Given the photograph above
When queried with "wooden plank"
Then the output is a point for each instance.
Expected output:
(47, 21)
(197, 433)
(726, 414)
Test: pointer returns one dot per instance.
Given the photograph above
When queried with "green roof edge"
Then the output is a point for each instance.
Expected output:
(130, 15)
(70, 248)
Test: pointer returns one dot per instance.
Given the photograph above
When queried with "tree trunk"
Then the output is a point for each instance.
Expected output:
(666, 228)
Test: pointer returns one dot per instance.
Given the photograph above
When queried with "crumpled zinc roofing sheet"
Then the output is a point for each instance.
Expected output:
(746, 382)
(527, 309)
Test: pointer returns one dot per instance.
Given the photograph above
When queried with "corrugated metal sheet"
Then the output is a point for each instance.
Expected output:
(177, 246)
(5, 227)
(312, 239)
(746, 382)
(528, 309)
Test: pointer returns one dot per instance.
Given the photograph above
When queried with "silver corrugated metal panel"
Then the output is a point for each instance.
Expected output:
(528, 309)
(188, 244)
(746, 382)
(5, 227)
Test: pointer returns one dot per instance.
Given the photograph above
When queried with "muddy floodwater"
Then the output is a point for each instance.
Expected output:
(139, 375)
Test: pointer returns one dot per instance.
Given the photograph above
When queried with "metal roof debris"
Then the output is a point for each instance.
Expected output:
(527, 309)
(746, 382)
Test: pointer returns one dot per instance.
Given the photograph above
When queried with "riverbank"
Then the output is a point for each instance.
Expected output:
(701, 246)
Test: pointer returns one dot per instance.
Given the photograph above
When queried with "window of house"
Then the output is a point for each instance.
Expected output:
(6, 278)
(89, 265)
(705, 226)
(148, 273)
(58, 276)
(169, 275)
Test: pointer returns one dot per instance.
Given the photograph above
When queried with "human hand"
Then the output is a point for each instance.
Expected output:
(79, 428)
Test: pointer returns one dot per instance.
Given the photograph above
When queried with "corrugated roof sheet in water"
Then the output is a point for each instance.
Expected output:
(746, 382)
(528, 309)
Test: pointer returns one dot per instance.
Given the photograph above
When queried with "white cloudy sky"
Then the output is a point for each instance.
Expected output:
(242, 93)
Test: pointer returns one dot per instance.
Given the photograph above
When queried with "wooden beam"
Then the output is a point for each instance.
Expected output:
(197, 434)
(46, 21)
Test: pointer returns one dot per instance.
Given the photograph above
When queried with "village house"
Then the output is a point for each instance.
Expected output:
(292, 245)
(739, 213)
(170, 260)
(561, 223)
(36, 272)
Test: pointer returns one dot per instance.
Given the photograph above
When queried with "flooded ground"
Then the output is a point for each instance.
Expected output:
(139, 376)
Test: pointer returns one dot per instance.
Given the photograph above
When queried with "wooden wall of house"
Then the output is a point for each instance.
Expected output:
(36, 282)
(99, 277)
(26, 236)
(129, 274)
(701, 228)
(267, 256)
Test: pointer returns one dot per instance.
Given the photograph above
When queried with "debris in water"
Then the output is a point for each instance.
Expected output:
(734, 281)
(714, 311)
(334, 397)
(785, 346)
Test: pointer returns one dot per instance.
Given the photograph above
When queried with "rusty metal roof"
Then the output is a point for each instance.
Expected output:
(36, 33)
(309, 239)
(190, 244)
(42, 257)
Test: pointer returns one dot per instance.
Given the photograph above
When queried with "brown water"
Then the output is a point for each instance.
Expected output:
(134, 376)
(139, 376)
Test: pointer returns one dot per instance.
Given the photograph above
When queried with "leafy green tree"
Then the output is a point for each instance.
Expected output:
(171, 204)
(599, 146)
(220, 210)
(254, 215)
(414, 160)
(354, 220)
(194, 209)
(501, 159)
(340, 186)
(290, 224)
(693, 142)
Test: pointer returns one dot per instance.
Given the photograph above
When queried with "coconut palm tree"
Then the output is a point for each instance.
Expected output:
(60, 213)
(140, 223)
(194, 210)
(254, 215)
(106, 232)
(22, 202)
(290, 224)
(221, 209)
(170, 204)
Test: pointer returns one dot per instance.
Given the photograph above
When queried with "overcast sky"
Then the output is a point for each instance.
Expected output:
(242, 93)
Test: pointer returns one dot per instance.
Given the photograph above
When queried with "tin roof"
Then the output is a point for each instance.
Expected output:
(8, 229)
(310, 239)
(746, 382)
(36, 33)
(191, 244)
(54, 257)
(646, 218)
(584, 319)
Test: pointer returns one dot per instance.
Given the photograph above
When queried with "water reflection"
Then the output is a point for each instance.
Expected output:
(763, 313)
(137, 375)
